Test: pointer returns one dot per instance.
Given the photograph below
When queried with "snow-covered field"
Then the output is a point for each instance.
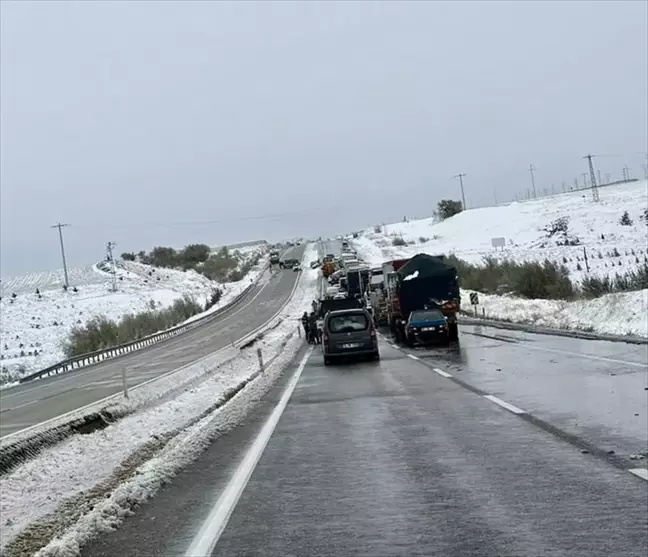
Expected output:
(33, 328)
(468, 235)
(611, 248)
(68, 471)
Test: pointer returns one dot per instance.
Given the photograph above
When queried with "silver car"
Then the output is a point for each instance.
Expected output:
(349, 332)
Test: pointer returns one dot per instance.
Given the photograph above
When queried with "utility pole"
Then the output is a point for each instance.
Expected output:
(595, 192)
(111, 260)
(598, 173)
(608, 177)
(584, 175)
(625, 178)
(645, 169)
(576, 184)
(627, 171)
(463, 195)
(531, 169)
(495, 196)
(65, 271)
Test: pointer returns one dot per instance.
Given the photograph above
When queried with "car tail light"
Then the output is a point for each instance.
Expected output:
(372, 332)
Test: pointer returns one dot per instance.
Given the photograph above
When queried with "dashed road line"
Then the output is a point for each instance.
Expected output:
(441, 372)
(504, 404)
(413, 357)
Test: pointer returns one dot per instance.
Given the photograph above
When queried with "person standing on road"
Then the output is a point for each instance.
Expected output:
(304, 321)
(312, 326)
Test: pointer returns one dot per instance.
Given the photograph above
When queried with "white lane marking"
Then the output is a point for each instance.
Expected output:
(413, 357)
(640, 473)
(505, 404)
(211, 530)
(441, 372)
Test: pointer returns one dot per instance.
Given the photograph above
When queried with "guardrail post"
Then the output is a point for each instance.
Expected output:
(298, 331)
(483, 312)
(260, 356)
(125, 383)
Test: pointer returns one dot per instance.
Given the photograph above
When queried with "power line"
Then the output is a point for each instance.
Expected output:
(65, 271)
(463, 196)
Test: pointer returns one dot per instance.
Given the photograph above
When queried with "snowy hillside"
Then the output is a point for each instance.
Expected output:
(33, 328)
(594, 226)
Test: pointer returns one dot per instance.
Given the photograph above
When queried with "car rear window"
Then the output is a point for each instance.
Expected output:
(428, 315)
(348, 323)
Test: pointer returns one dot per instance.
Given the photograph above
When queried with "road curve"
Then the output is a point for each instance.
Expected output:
(35, 402)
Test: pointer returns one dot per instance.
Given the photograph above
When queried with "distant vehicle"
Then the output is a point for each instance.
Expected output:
(426, 327)
(274, 258)
(290, 263)
(296, 268)
(349, 332)
(314, 264)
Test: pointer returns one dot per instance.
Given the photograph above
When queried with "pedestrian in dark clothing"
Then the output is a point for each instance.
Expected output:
(304, 321)
(312, 327)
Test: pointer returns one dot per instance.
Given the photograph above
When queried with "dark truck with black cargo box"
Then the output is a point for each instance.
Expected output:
(424, 282)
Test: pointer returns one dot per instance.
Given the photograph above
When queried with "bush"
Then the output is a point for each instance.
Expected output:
(625, 219)
(100, 332)
(529, 280)
(398, 241)
(128, 256)
(423, 239)
(220, 265)
(195, 253)
(447, 208)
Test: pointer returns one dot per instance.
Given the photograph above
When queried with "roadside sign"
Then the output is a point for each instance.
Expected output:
(474, 298)
(498, 242)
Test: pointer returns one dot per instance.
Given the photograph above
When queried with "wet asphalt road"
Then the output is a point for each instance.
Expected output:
(41, 400)
(397, 459)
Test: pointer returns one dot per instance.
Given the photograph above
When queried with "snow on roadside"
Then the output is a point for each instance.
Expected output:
(616, 314)
(29, 492)
(33, 329)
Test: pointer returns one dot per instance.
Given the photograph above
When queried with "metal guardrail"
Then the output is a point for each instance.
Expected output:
(84, 360)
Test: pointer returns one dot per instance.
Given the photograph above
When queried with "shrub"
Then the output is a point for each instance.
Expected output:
(423, 239)
(447, 208)
(625, 219)
(529, 280)
(128, 256)
(398, 241)
(100, 332)
(194, 253)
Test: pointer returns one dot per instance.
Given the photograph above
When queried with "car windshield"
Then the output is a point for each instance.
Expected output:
(348, 323)
(427, 315)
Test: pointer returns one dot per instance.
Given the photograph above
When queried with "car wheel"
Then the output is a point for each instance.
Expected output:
(375, 356)
(327, 361)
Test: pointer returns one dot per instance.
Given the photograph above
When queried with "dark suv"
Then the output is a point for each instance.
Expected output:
(349, 332)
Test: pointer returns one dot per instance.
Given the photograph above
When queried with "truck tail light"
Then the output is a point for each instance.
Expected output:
(450, 305)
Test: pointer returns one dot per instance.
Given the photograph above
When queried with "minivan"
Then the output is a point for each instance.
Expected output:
(349, 332)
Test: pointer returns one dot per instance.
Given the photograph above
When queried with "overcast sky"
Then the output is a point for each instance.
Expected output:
(163, 123)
